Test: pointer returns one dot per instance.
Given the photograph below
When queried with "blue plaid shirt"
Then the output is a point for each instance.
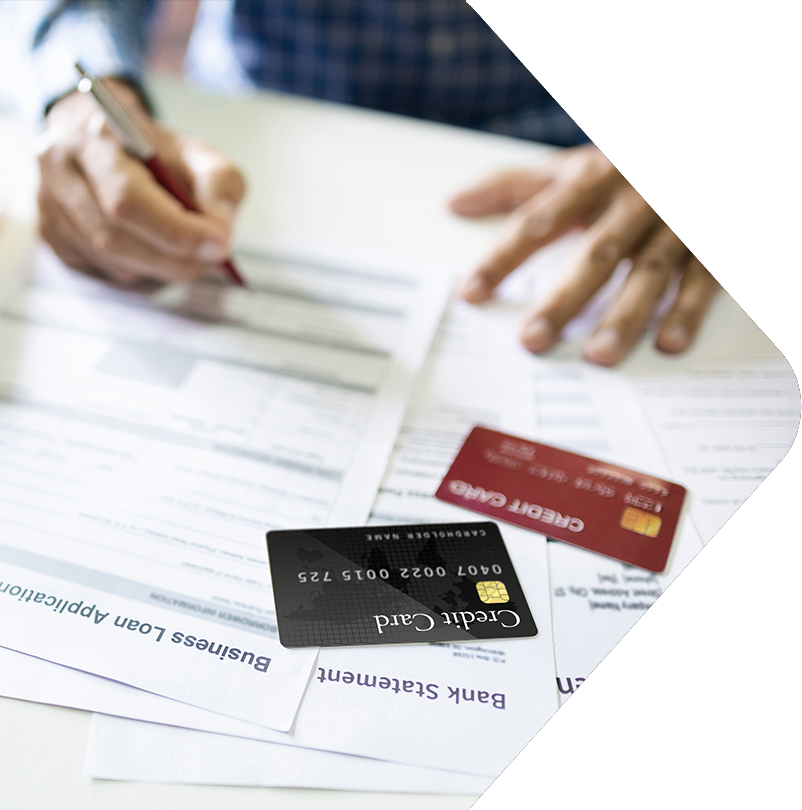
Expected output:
(434, 59)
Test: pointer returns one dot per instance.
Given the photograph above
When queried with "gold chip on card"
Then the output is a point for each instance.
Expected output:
(641, 522)
(492, 592)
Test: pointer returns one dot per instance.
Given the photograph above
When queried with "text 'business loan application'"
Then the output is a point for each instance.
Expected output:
(150, 441)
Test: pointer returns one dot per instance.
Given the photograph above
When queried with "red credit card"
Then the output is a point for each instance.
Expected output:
(621, 513)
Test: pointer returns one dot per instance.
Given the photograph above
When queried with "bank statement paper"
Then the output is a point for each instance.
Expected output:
(150, 440)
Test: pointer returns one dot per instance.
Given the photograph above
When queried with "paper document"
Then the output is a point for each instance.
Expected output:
(723, 425)
(596, 600)
(422, 705)
(149, 441)
(145, 752)
(716, 419)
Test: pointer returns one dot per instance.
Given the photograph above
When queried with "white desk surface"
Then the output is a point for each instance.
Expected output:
(319, 171)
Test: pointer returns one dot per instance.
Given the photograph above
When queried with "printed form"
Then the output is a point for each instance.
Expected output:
(597, 600)
(150, 441)
(396, 703)
(722, 427)
(717, 426)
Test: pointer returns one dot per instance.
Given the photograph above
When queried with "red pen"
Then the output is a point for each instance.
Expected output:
(140, 146)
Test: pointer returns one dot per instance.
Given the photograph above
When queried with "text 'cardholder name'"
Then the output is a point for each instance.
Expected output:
(395, 585)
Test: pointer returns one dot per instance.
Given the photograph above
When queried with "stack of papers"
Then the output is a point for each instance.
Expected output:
(151, 440)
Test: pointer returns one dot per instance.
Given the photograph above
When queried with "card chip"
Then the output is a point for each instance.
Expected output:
(492, 592)
(641, 522)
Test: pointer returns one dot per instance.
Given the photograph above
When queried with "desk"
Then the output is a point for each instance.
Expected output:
(322, 172)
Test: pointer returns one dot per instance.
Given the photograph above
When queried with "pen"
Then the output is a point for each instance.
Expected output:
(137, 143)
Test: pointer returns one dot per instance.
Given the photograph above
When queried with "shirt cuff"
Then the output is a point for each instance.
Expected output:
(108, 39)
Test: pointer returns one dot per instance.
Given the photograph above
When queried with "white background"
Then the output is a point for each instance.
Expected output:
(697, 103)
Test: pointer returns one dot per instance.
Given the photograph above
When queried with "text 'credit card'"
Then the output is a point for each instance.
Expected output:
(395, 585)
(621, 513)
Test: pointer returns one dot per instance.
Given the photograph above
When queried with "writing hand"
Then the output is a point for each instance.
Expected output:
(103, 212)
(580, 187)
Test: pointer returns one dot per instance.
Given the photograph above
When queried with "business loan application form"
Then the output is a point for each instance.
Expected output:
(150, 440)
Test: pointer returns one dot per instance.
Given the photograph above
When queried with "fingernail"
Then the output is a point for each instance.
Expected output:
(538, 335)
(211, 250)
(604, 346)
(475, 289)
(675, 338)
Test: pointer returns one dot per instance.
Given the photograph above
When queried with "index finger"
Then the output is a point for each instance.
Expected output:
(132, 200)
(611, 238)
(530, 227)
(217, 184)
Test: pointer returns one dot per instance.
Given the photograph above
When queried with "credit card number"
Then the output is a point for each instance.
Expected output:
(422, 572)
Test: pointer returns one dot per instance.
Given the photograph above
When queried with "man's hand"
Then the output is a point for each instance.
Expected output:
(580, 187)
(102, 211)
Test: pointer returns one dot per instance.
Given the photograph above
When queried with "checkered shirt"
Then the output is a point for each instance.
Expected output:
(433, 59)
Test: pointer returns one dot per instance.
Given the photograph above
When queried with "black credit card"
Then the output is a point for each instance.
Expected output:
(395, 585)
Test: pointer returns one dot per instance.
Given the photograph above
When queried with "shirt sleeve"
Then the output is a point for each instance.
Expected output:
(106, 36)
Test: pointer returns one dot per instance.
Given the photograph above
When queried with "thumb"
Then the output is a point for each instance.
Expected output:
(217, 185)
(501, 192)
